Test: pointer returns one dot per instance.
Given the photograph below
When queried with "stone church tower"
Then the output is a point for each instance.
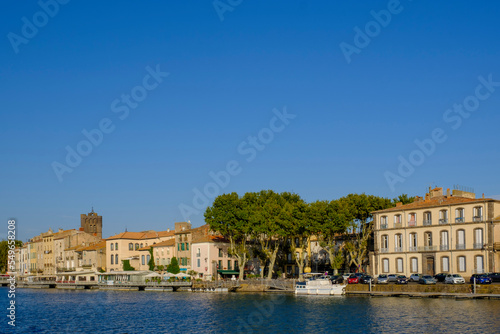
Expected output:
(92, 223)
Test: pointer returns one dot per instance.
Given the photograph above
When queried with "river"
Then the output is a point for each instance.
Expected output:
(94, 311)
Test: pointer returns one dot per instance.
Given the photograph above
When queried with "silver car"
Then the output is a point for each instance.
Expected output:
(382, 279)
(454, 279)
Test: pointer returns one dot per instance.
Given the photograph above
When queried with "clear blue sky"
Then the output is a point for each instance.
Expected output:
(353, 120)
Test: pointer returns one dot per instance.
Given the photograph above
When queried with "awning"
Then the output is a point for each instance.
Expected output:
(228, 272)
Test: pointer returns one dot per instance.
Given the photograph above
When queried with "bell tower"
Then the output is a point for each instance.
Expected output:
(92, 223)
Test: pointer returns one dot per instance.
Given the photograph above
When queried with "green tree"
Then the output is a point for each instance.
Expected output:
(403, 199)
(4, 252)
(300, 231)
(151, 262)
(127, 266)
(173, 267)
(228, 216)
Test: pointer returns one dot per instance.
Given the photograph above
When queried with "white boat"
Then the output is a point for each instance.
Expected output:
(318, 284)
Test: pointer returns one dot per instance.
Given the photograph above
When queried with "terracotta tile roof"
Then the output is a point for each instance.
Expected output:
(142, 235)
(95, 246)
(77, 248)
(437, 202)
(128, 235)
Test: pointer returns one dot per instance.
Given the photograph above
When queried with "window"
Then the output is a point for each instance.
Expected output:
(136, 246)
(477, 214)
(413, 242)
(187, 245)
(479, 264)
(478, 238)
(399, 265)
(198, 252)
(397, 221)
(221, 254)
(116, 246)
(116, 258)
(143, 260)
(236, 265)
(178, 247)
(141, 244)
(385, 265)
(459, 215)
(297, 242)
(229, 265)
(460, 239)
(130, 246)
(383, 222)
(112, 246)
(385, 243)
(443, 217)
(412, 219)
(398, 243)
(461, 263)
(148, 258)
(445, 264)
(414, 265)
(112, 258)
(428, 239)
(220, 265)
(182, 246)
(444, 240)
(427, 218)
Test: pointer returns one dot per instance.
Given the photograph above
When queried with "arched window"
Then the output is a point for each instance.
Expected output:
(136, 246)
(399, 265)
(143, 260)
(385, 265)
(412, 219)
(427, 218)
(112, 246)
(445, 264)
(130, 246)
(116, 258)
(477, 214)
(141, 245)
(414, 265)
(397, 221)
(116, 246)
(461, 263)
(148, 258)
(460, 239)
(443, 217)
(413, 242)
(112, 258)
(443, 240)
(459, 215)
(478, 238)
(383, 222)
(384, 246)
(398, 242)
(428, 239)
(479, 264)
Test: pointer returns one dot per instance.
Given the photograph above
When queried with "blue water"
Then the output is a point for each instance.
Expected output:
(59, 311)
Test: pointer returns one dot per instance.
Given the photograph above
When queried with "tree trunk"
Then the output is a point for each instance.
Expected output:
(271, 262)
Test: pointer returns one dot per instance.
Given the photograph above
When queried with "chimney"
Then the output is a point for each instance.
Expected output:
(448, 192)
(483, 195)
(399, 204)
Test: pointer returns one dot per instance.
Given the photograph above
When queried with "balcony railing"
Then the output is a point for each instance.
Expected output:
(412, 223)
(427, 248)
(383, 225)
(459, 220)
(427, 222)
(398, 225)
(413, 249)
(398, 249)
(444, 247)
(443, 221)
(460, 246)
(384, 250)
(478, 245)
(477, 219)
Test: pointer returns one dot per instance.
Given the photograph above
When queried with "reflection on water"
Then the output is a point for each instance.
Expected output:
(56, 311)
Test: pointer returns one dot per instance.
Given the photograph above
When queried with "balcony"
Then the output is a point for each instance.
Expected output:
(460, 246)
(459, 220)
(443, 221)
(478, 245)
(384, 250)
(477, 219)
(444, 247)
(398, 225)
(383, 225)
(427, 222)
(398, 249)
(427, 248)
(413, 249)
(412, 223)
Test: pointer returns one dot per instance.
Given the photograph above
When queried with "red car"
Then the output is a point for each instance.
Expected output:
(354, 278)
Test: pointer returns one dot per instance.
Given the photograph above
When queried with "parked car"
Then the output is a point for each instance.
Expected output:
(440, 277)
(337, 279)
(401, 279)
(427, 279)
(392, 277)
(454, 279)
(366, 279)
(415, 277)
(382, 279)
(480, 279)
(353, 279)
(495, 277)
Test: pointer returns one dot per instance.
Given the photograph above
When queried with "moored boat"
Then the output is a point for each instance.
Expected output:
(318, 284)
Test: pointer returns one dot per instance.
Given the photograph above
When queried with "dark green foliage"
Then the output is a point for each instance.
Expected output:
(127, 266)
(173, 267)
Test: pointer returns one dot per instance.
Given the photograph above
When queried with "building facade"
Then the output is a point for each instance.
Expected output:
(440, 233)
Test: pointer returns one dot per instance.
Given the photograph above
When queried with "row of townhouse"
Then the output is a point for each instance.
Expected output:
(449, 233)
